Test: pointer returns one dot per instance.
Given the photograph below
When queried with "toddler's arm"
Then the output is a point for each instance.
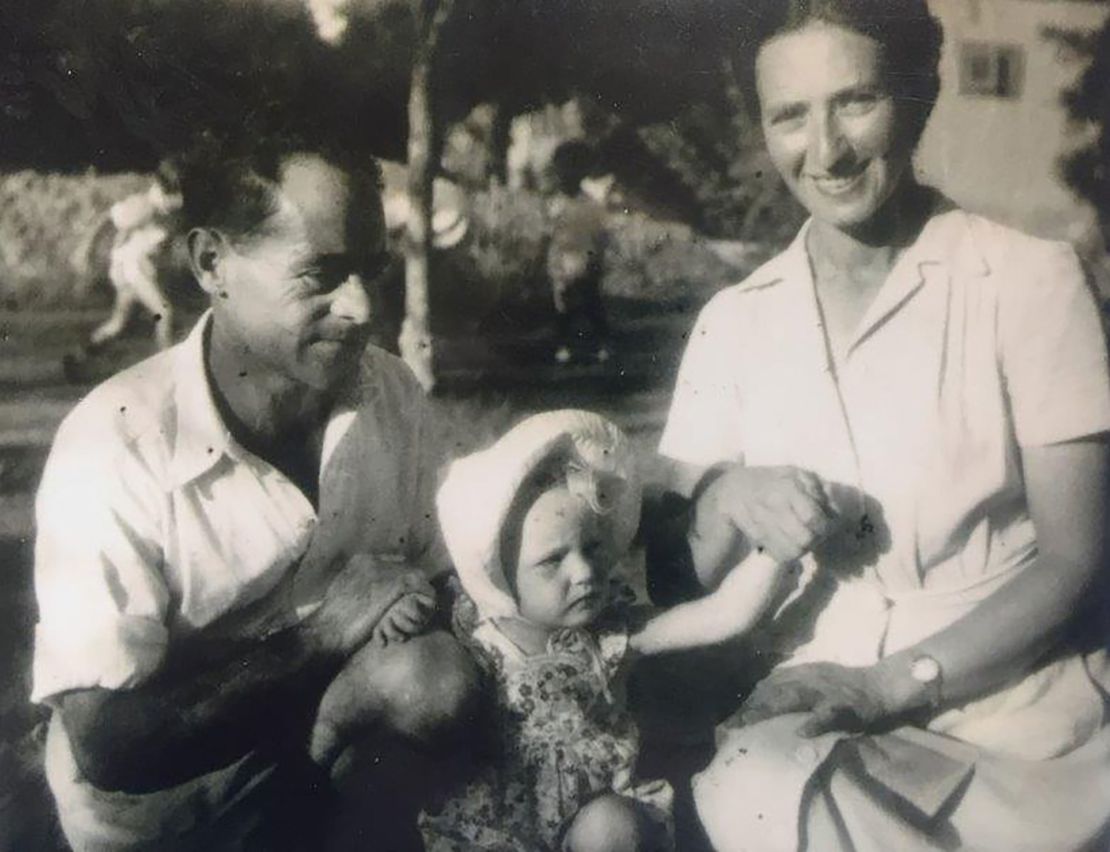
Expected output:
(729, 611)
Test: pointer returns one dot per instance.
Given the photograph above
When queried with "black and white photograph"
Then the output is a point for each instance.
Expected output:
(554, 425)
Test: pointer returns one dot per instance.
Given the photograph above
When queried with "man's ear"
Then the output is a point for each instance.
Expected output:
(208, 253)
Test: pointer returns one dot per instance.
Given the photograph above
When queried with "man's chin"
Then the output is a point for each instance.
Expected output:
(328, 370)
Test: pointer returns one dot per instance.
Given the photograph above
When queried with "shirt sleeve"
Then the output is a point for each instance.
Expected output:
(704, 422)
(101, 595)
(433, 458)
(427, 454)
(1054, 355)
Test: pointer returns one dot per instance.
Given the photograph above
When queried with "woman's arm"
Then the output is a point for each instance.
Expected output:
(732, 610)
(1068, 496)
(734, 509)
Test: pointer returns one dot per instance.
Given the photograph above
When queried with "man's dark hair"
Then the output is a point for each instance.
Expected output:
(229, 184)
(909, 36)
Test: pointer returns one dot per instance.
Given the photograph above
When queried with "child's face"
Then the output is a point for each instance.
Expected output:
(566, 553)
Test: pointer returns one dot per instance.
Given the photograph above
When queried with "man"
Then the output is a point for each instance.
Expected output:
(576, 256)
(221, 527)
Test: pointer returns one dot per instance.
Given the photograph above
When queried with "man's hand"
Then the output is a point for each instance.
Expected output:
(784, 511)
(838, 698)
(408, 617)
(364, 591)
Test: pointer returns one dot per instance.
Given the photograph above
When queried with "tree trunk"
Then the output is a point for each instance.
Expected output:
(425, 143)
(500, 138)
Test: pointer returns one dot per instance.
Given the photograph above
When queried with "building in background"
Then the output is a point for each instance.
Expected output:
(999, 129)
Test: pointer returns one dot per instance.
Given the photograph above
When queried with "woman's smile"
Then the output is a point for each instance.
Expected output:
(837, 185)
(832, 127)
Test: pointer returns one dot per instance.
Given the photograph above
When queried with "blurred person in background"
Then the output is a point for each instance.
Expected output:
(576, 258)
(227, 526)
(921, 397)
(143, 223)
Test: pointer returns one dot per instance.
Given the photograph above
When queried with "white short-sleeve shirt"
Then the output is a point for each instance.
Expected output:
(153, 523)
(981, 341)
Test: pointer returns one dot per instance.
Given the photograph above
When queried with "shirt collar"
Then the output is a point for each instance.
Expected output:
(948, 242)
(787, 265)
(201, 439)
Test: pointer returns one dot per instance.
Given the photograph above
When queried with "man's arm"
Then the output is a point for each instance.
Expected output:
(204, 710)
(211, 703)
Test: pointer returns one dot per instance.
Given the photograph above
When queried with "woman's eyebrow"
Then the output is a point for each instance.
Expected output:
(783, 109)
(869, 88)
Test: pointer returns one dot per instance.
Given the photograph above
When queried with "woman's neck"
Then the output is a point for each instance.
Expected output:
(871, 250)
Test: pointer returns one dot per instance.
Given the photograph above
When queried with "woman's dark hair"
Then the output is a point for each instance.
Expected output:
(909, 36)
(229, 184)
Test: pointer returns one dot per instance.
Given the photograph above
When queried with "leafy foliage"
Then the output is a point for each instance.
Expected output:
(1087, 171)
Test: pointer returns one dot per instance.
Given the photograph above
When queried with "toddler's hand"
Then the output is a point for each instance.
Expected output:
(408, 617)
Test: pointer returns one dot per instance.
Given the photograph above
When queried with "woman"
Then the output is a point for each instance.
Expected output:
(916, 399)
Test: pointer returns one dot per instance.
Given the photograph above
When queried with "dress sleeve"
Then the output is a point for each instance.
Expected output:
(1054, 356)
(102, 598)
(703, 425)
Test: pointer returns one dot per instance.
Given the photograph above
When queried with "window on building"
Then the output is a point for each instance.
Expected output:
(992, 70)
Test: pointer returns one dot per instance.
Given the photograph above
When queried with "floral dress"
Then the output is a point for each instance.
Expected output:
(564, 736)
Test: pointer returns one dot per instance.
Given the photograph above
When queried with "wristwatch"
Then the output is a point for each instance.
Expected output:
(927, 671)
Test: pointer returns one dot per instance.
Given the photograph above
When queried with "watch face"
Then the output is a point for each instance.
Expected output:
(925, 670)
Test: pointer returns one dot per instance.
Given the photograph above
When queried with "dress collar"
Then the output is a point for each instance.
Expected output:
(947, 247)
(948, 239)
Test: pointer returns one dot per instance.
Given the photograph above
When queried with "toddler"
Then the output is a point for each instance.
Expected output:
(575, 256)
(535, 525)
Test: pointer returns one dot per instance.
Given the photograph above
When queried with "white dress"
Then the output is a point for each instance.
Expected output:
(982, 340)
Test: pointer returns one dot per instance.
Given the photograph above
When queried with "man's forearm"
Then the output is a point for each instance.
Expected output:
(211, 704)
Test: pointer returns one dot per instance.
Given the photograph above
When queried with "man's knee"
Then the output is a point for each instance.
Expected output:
(612, 823)
(428, 688)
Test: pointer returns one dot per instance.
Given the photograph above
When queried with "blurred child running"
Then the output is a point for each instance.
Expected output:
(576, 258)
(143, 224)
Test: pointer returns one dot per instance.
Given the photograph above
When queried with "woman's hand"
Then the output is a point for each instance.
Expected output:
(784, 511)
(838, 698)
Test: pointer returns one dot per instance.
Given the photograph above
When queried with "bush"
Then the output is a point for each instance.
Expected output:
(646, 259)
(46, 223)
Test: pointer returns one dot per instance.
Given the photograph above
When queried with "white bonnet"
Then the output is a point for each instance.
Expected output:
(479, 489)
